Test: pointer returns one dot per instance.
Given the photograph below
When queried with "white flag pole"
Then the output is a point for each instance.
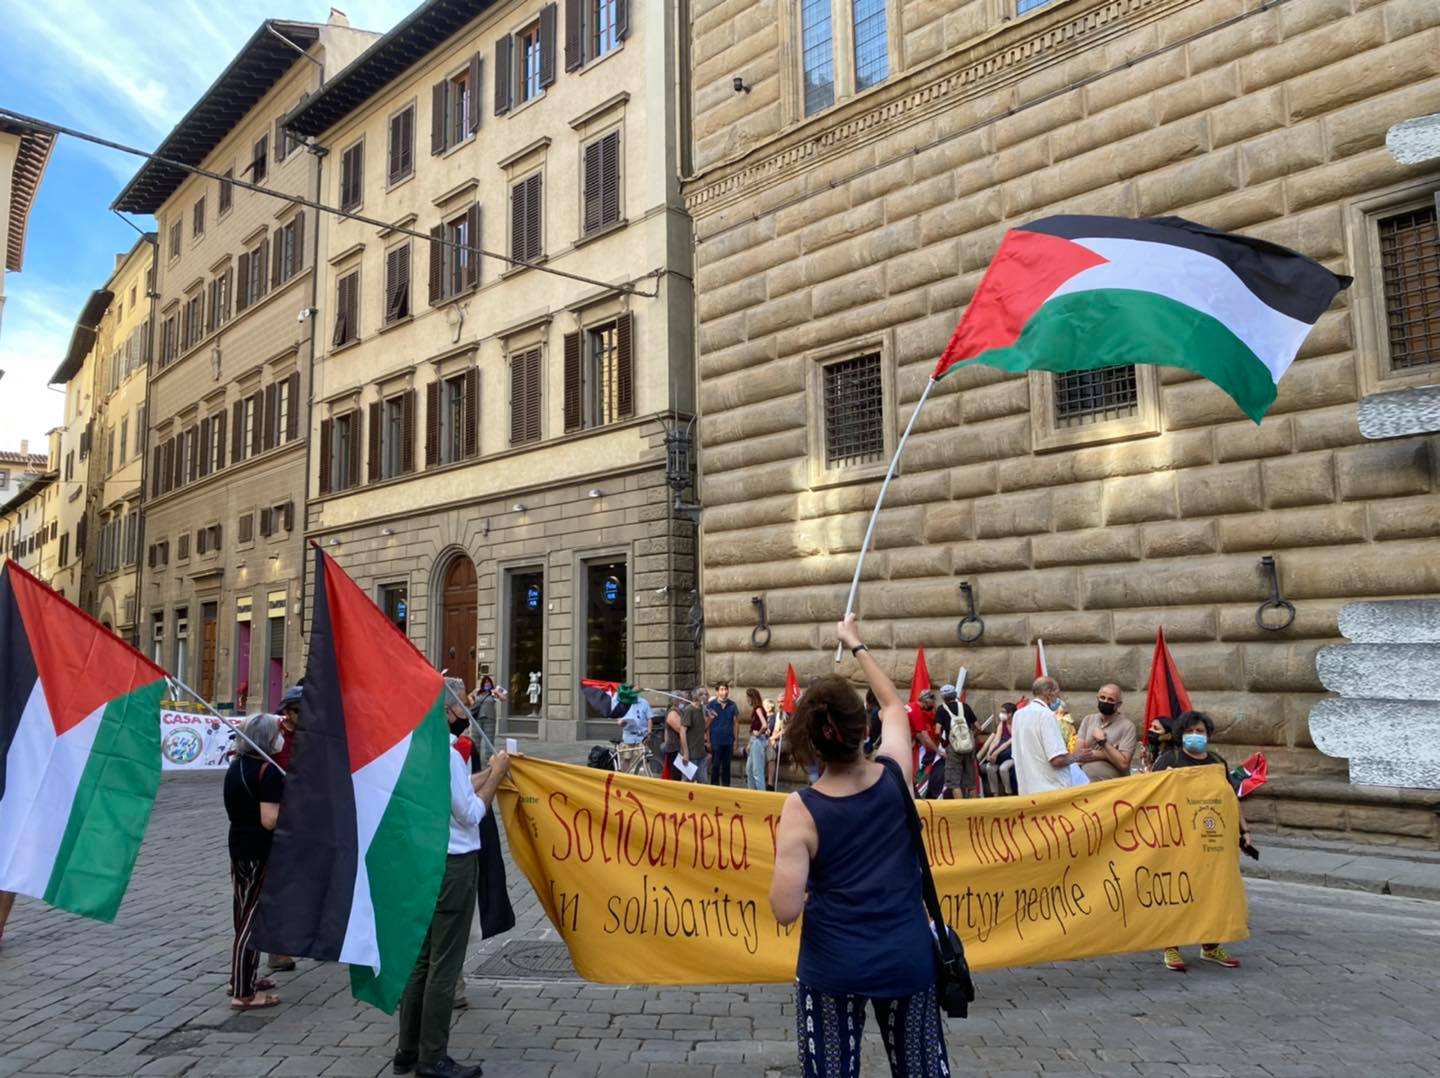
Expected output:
(875, 513)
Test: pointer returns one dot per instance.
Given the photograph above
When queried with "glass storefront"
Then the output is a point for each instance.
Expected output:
(606, 593)
(525, 640)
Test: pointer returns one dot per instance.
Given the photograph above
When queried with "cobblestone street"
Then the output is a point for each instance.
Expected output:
(1334, 982)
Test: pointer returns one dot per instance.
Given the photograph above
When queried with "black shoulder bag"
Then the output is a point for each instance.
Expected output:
(954, 987)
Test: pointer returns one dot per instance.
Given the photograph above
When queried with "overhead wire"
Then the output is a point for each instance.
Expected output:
(38, 124)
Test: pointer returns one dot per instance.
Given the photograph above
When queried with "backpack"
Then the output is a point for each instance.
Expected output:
(962, 739)
(600, 758)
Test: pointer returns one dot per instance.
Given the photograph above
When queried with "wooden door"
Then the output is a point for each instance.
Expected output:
(209, 617)
(458, 605)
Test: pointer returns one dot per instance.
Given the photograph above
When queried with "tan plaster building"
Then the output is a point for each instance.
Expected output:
(847, 198)
(102, 444)
(222, 572)
(489, 453)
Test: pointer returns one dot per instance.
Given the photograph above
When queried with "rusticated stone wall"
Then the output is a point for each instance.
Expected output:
(873, 222)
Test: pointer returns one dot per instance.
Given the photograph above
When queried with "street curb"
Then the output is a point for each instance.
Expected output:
(1375, 875)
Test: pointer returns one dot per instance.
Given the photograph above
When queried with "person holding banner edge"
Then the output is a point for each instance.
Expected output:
(845, 858)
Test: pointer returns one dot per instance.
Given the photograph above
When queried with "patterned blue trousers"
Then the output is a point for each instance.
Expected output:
(830, 1027)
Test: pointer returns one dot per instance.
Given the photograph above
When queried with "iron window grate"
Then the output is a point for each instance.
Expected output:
(854, 412)
(1410, 272)
(1083, 398)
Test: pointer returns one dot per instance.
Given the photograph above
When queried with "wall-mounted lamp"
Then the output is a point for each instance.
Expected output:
(518, 507)
(739, 84)
(387, 531)
(594, 492)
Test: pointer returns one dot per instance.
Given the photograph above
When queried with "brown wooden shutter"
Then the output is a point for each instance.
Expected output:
(155, 472)
(472, 230)
(472, 412)
(192, 436)
(272, 416)
(438, 125)
(503, 48)
(237, 432)
(473, 121)
(242, 274)
(228, 296)
(326, 429)
(547, 45)
(374, 433)
(574, 387)
(203, 448)
(356, 444)
(289, 516)
(622, 19)
(276, 259)
(625, 377)
(517, 398)
(292, 421)
(403, 289)
(432, 424)
(247, 528)
(267, 518)
(407, 432)
(610, 178)
(437, 265)
(200, 536)
(574, 42)
(219, 423)
(535, 216)
(594, 188)
(299, 225)
(151, 557)
(258, 445)
(518, 193)
(532, 394)
(279, 142)
(341, 334)
(264, 255)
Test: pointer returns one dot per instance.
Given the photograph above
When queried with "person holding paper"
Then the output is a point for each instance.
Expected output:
(845, 858)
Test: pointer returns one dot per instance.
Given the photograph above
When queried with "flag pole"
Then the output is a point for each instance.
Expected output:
(235, 726)
(879, 501)
(466, 708)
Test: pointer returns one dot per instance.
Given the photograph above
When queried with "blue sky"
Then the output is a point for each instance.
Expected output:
(128, 73)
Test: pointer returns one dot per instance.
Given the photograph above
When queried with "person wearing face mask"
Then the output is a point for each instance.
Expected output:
(1105, 743)
(1042, 762)
(1194, 730)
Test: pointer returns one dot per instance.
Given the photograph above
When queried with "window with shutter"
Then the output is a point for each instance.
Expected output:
(284, 410)
(526, 219)
(376, 462)
(593, 28)
(625, 375)
(204, 445)
(197, 219)
(407, 432)
(287, 515)
(432, 424)
(291, 429)
(547, 45)
(437, 265)
(247, 527)
(267, 523)
(573, 383)
(471, 395)
(217, 442)
(525, 397)
(397, 283)
(347, 300)
(260, 160)
(175, 239)
(352, 185)
(201, 535)
(226, 197)
(267, 427)
(503, 49)
(601, 178)
(400, 160)
(182, 546)
(529, 63)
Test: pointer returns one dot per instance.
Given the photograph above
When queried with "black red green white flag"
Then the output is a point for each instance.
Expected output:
(364, 823)
(1075, 293)
(79, 750)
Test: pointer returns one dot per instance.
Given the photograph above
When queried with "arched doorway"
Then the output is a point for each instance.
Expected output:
(459, 599)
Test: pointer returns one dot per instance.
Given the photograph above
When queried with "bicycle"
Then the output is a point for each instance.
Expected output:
(633, 759)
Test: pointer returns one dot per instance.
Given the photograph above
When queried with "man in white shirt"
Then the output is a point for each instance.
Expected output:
(430, 995)
(1042, 762)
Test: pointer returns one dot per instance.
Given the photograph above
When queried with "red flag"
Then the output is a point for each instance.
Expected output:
(792, 690)
(1166, 694)
(1041, 668)
(920, 680)
(1250, 775)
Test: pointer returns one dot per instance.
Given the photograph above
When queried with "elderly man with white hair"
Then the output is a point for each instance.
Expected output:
(1042, 761)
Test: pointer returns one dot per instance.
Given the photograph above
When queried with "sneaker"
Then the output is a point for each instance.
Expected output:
(1219, 956)
(448, 1068)
(281, 963)
(404, 1062)
(1174, 961)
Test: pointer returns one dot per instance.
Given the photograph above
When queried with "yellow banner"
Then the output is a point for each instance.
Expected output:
(653, 882)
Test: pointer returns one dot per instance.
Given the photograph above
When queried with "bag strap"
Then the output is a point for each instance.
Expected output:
(927, 881)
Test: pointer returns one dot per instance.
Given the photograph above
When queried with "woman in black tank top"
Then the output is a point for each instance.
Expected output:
(845, 858)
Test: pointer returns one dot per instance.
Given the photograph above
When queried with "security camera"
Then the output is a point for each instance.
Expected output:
(662, 589)
(306, 313)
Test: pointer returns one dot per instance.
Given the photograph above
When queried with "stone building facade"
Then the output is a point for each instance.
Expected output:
(855, 168)
(222, 568)
(489, 438)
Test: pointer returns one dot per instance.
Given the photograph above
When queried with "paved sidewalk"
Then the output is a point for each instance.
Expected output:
(1333, 983)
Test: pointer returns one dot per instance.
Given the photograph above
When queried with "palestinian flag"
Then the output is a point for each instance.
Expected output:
(79, 750)
(364, 823)
(1252, 774)
(1166, 696)
(1077, 293)
(606, 697)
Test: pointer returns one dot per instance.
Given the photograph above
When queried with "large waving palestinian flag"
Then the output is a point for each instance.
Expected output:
(364, 823)
(1077, 293)
(79, 750)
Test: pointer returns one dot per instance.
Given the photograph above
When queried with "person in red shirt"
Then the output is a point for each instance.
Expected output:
(921, 716)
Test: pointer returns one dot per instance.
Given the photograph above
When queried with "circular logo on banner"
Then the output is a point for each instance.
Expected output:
(182, 746)
(532, 596)
(612, 589)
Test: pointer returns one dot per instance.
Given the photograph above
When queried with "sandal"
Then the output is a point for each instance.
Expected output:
(255, 1003)
(262, 984)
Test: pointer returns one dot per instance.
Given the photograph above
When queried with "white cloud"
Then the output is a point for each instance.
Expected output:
(34, 334)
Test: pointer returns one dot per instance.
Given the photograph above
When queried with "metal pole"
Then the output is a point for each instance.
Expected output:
(466, 708)
(879, 501)
(235, 726)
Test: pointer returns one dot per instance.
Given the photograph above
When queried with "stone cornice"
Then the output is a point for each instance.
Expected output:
(1006, 55)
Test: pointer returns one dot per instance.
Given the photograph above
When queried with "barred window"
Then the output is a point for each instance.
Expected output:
(854, 405)
(1083, 398)
(1410, 276)
(872, 59)
(817, 55)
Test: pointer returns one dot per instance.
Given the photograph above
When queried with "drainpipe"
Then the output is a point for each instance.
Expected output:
(153, 289)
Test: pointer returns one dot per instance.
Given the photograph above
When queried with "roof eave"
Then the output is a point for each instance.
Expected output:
(82, 338)
(30, 163)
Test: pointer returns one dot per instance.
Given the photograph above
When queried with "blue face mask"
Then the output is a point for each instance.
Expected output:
(1054, 705)
(1194, 742)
